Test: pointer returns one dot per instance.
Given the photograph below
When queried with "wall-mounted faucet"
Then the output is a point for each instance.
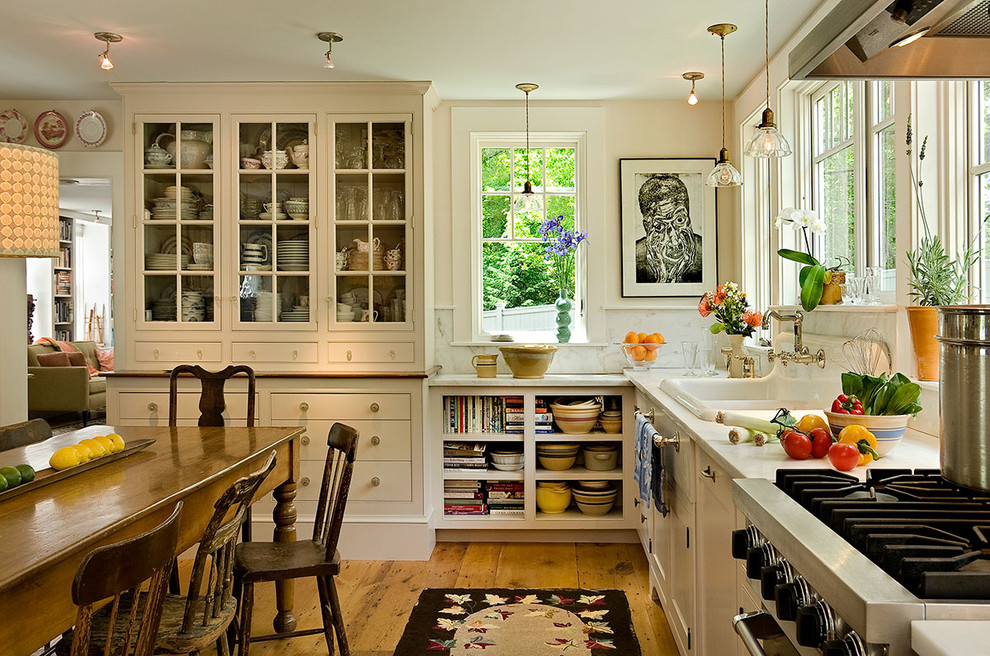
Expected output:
(801, 354)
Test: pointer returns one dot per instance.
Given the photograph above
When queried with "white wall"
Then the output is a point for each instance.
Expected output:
(92, 270)
(630, 129)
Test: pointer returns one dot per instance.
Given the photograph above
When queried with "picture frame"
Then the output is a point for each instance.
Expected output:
(678, 258)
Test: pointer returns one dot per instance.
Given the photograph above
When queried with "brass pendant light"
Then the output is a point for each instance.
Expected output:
(528, 201)
(724, 174)
(768, 140)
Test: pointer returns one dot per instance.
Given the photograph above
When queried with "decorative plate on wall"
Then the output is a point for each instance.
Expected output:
(51, 129)
(91, 129)
(13, 127)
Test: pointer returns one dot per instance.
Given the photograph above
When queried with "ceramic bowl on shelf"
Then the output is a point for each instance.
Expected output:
(277, 159)
(557, 457)
(888, 429)
(575, 420)
(594, 485)
(507, 460)
(250, 163)
(601, 457)
(531, 361)
(595, 505)
(611, 425)
(552, 500)
(640, 356)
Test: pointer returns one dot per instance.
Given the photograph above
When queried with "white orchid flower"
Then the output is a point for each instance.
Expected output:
(787, 215)
(817, 226)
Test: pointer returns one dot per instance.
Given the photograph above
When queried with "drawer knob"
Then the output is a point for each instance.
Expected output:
(304, 406)
(636, 501)
(376, 440)
(199, 353)
(253, 354)
(152, 407)
(375, 482)
(392, 353)
(375, 407)
(304, 481)
(305, 440)
(642, 519)
(155, 353)
(349, 355)
(708, 473)
(295, 354)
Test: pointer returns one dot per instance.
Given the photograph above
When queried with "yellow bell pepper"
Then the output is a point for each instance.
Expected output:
(863, 440)
(809, 423)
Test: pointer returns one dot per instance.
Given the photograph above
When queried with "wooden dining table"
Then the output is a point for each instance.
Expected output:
(46, 532)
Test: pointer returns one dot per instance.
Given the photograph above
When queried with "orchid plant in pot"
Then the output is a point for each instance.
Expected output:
(560, 248)
(819, 284)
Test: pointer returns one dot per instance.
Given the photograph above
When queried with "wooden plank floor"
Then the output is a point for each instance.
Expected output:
(377, 596)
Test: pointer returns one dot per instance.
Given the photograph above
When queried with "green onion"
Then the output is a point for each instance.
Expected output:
(745, 421)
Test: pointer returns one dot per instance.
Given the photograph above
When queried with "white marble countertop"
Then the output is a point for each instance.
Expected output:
(749, 461)
(950, 637)
(550, 380)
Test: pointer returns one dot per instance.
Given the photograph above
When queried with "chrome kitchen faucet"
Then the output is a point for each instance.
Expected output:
(801, 354)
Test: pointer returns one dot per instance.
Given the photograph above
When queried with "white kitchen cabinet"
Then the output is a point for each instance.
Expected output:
(716, 567)
(681, 609)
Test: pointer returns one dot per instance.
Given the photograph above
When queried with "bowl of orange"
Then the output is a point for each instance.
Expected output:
(641, 349)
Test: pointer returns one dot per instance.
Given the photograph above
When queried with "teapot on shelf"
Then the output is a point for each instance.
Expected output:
(156, 157)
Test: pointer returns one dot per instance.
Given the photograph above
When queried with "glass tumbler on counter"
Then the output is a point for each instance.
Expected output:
(874, 279)
(690, 352)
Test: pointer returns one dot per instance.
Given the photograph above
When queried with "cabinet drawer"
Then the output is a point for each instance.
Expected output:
(381, 481)
(153, 406)
(306, 352)
(379, 439)
(370, 352)
(300, 408)
(177, 352)
(721, 485)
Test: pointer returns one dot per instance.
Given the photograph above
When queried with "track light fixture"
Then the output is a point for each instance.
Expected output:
(108, 38)
(694, 76)
(329, 38)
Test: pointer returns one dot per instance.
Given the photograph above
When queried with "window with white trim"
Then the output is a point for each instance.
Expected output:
(853, 175)
(518, 290)
(979, 171)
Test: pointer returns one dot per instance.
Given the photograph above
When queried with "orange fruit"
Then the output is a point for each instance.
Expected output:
(631, 338)
(642, 337)
(659, 338)
(651, 354)
(655, 338)
(639, 353)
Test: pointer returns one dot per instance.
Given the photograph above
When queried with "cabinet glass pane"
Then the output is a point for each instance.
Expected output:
(388, 146)
(292, 298)
(292, 248)
(351, 197)
(159, 141)
(160, 298)
(352, 300)
(194, 147)
(353, 243)
(195, 247)
(197, 298)
(390, 242)
(255, 193)
(390, 299)
(256, 250)
(351, 145)
(388, 197)
(257, 299)
(293, 140)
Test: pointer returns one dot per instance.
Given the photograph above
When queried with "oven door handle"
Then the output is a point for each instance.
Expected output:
(760, 625)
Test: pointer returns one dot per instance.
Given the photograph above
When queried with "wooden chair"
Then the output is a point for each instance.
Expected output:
(24, 433)
(199, 619)
(256, 562)
(119, 571)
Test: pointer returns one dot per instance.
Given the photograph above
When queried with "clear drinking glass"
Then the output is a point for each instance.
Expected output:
(855, 290)
(690, 352)
(874, 278)
(706, 349)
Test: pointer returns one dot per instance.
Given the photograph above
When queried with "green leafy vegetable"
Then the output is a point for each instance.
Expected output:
(882, 395)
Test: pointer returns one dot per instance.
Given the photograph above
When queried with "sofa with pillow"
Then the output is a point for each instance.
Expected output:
(62, 381)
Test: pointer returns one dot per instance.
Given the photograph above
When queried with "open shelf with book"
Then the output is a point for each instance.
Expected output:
(483, 429)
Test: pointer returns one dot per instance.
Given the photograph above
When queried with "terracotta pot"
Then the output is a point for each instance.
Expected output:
(832, 291)
(923, 321)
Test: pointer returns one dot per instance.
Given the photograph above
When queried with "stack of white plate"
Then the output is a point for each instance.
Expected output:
(193, 306)
(175, 200)
(298, 313)
(194, 266)
(264, 309)
(164, 261)
(293, 254)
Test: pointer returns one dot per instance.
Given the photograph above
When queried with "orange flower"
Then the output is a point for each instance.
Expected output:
(704, 309)
(719, 294)
(754, 319)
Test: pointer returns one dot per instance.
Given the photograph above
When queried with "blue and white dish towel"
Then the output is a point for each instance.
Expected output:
(643, 472)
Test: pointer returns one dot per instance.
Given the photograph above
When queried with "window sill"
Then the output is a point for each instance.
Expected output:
(521, 343)
(873, 309)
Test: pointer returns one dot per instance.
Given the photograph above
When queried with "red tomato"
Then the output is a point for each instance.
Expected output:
(796, 444)
(844, 457)
(821, 442)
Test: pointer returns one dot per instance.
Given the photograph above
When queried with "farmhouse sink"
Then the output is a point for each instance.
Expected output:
(706, 396)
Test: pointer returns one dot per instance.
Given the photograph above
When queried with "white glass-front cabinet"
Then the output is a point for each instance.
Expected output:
(177, 236)
(275, 249)
(371, 198)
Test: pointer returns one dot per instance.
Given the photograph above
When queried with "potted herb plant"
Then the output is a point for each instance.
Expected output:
(934, 278)
(819, 284)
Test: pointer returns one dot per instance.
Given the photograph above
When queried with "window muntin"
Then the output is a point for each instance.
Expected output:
(979, 171)
(833, 163)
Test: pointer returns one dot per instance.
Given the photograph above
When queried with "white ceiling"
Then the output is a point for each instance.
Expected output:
(86, 196)
(470, 49)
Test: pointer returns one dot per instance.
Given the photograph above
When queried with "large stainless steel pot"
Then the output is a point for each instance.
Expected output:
(964, 394)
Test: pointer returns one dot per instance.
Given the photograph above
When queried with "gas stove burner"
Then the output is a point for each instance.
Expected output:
(926, 532)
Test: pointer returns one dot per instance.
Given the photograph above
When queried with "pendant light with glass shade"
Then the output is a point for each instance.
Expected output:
(527, 201)
(724, 174)
(768, 140)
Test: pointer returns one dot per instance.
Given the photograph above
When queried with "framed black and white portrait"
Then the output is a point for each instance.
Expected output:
(668, 227)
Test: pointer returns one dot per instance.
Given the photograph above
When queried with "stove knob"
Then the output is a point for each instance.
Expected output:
(835, 648)
(810, 627)
(785, 595)
(759, 557)
(744, 539)
(770, 578)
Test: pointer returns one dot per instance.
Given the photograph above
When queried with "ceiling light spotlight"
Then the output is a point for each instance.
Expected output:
(694, 76)
(910, 38)
(329, 38)
(108, 38)
(724, 174)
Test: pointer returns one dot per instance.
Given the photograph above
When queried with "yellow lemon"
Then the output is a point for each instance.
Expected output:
(118, 442)
(85, 453)
(98, 449)
(64, 458)
(106, 443)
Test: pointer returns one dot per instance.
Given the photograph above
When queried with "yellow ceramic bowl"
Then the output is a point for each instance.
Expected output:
(556, 463)
(528, 361)
(552, 502)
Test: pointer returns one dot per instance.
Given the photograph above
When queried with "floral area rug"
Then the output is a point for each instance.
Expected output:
(520, 623)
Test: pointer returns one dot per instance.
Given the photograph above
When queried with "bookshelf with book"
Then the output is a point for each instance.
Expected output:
(485, 435)
(63, 283)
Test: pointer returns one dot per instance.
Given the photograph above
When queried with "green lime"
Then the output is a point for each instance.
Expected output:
(12, 475)
(3, 483)
(27, 473)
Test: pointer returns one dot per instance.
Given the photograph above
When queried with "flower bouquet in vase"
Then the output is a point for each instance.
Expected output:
(560, 248)
(733, 317)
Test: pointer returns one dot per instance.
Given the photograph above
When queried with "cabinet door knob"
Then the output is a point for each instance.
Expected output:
(304, 481)
(295, 354)
(349, 355)
(392, 353)
(375, 407)
(375, 482)
(152, 407)
(304, 406)
(642, 519)
(199, 353)
(155, 353)
(305, 440)
(376, 440)
(707, 472)
(253, 354)
(636, 501)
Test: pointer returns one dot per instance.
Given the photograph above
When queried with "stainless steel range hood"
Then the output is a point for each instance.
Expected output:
(855, 40)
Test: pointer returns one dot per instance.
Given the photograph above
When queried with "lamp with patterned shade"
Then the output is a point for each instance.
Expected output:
(28, 201)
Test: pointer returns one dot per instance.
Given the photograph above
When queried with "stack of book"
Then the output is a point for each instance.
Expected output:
(63, 283)
(505, 498)
(474, 414)
(544, 418)
(459, 456)
(463, 498)
(514, 417)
